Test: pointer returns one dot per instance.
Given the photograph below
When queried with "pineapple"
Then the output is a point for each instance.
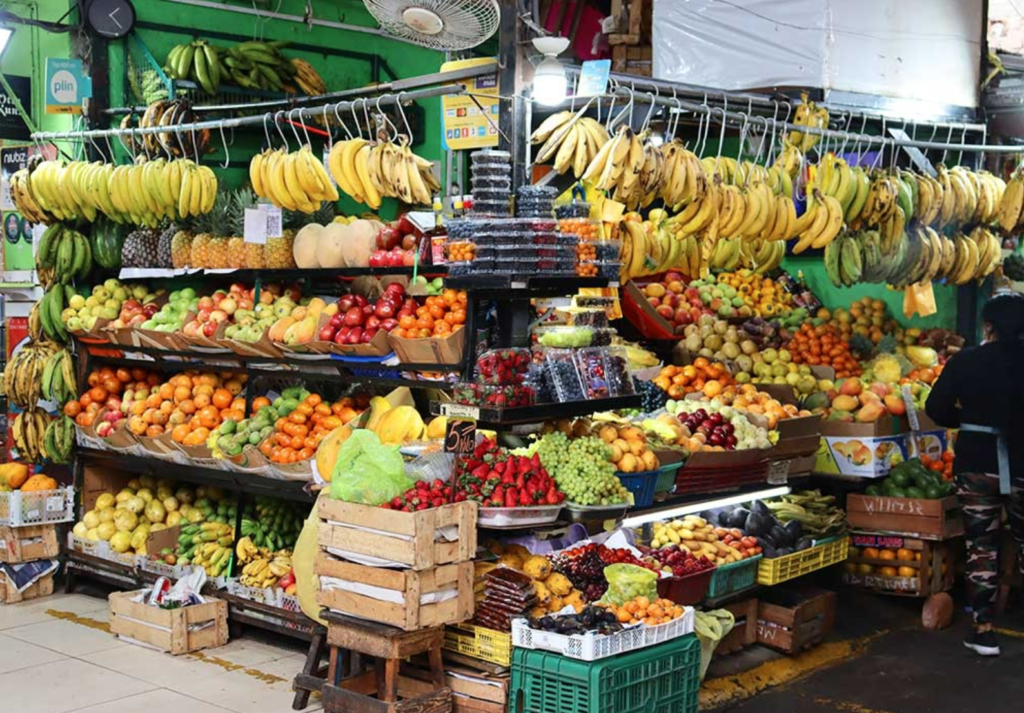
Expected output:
(254, 259)
(140, 248)
(278, 251)
(200, 250)
(181, 249)
(163, 249)
(237, 249)
(210, 246)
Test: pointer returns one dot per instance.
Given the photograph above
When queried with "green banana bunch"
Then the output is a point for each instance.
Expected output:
(58, 379)
(818, 513)
(251, 65)
(66, 251)
(59, 439)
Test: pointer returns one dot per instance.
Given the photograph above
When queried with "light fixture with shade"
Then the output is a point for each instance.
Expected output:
(692, 508)
(549, 82)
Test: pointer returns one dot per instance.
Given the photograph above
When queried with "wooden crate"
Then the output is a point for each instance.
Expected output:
(931, 519)
(25, 544)
(791, 620)
(42, 587)
(408, 614)
(472, 691)
(933, 572)
(410, 538)
(629, 15)
(169, 629)
(354, 696)
(744, 632)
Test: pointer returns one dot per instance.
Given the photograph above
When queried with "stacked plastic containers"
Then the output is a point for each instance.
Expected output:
(596, 256)
(501, 381)
(492, 183)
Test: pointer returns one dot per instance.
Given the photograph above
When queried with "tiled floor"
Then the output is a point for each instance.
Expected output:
(63, 639)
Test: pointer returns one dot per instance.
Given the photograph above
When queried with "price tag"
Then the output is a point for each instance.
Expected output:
(255, 228)
(460, 411)
(55, 503)
(275, 228)
(327, 167)
(460, 437)
(518, 285)
(37, 234)
(778, 472)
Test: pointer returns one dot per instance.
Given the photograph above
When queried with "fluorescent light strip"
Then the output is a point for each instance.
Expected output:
(705, 505)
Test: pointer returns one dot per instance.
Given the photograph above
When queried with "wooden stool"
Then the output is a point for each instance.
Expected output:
(313, 676)
(388, 646)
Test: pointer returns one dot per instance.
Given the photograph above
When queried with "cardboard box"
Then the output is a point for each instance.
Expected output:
(42, 587)
(644, 317)
(410, 538)
(932, 443)
(866, 450)
(175, 631)
(398, 593)
(933, 566)
(97, 479)
(932, 519)
(433, 350)
(791, 620)
(171, 341)
(379, 346)
(25, 544)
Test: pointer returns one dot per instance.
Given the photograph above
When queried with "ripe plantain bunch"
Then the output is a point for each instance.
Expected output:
(369, 171)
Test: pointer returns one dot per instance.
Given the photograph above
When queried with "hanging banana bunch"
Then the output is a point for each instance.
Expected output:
(368, 172)
(571, 143)
(296, 181)
(807, 114)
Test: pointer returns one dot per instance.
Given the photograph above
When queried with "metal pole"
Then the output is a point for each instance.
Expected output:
(258, 120)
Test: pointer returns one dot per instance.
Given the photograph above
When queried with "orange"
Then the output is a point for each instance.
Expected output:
(221, 398)
(907, 572)
(887, 555)
(870, 553)
(187, 407)
(259, 402)
(181, 393)
(905, 555)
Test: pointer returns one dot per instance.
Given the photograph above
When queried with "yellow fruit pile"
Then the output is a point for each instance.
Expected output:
(696, 535)
(554, 590)
(630, 451)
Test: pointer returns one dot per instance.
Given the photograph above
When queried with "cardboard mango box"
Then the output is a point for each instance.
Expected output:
(866, 450)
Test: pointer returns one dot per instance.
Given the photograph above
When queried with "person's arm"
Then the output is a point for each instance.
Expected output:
(941, 405)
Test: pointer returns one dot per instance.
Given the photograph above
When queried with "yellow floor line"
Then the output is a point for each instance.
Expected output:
(1010, 632)
(267, 678)
(847, 706)
(727, 689)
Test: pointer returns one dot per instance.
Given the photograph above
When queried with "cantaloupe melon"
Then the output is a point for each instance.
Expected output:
(305, 246)
(359, 242)
(329, 250)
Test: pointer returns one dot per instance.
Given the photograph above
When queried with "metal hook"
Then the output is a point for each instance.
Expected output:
(227, 152)
(963, 143)
(721, 141)
(743, 136)
(632, 93)
(705, 124)
(771, 144)
(764, 137)
(650, 112)
(405, 119)
(266, 132)
(949, 138)
(291, 125)
(329, 129)
(366, 117)
(280, 130)
(611, 110)
(387, 121)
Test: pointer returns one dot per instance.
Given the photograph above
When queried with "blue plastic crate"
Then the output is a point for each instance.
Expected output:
(642, 485)
(657, 679)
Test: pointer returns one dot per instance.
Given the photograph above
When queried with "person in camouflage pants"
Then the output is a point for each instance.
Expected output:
(982, 507)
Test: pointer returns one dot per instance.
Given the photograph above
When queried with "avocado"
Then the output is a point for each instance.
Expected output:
(934, 492)
(917, 493)
(898, 493)
(873, 490)
(900, 478)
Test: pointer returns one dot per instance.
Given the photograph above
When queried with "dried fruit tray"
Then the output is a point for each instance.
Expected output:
(591, 646)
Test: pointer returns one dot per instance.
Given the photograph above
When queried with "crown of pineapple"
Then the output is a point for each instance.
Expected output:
(297, 219)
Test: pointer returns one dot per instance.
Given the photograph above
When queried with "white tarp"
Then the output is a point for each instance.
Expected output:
(926, 50)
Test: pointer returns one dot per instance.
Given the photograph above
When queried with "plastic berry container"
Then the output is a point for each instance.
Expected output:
(459, 250)
(574, 209)
(494, 396)
(608, 250)
(617, 373)
(539, 225)
(591, 364)
(491, 156)
(602, 337)
(563, 375)
(586, 251)
(563, 336)
(508, 251)
(583, 228)
(593, 318)
(503, 366)
(608, 270)
(586, 268)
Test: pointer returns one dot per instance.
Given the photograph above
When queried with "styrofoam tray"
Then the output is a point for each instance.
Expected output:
(518, 517)
(591, 646)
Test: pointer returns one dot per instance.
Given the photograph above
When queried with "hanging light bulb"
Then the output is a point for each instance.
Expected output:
(549, 82)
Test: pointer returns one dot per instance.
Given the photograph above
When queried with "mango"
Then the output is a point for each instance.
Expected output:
(845, 403)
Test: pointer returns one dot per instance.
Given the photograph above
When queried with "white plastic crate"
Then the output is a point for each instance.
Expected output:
(101, 550)
(41, 507)
(271, 596)
(591, 646)
(162, 569)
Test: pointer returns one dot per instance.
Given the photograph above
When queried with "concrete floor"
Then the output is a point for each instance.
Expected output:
(877, 660)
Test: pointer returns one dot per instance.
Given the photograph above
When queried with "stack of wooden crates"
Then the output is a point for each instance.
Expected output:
(27, 544)
(631, 43)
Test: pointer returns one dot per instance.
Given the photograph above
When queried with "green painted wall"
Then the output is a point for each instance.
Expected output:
(27, 52)
(338, 72)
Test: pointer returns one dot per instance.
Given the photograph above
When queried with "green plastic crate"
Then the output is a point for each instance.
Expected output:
(657, 679)
(731, 578)
(667, 478)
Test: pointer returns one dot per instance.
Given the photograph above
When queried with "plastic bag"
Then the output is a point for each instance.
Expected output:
(628, 581)
(367, 471)
(711, 627)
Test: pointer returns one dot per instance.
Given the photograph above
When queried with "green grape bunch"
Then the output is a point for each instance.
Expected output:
(582, 469)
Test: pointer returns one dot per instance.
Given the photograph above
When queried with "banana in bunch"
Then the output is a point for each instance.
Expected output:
(572, 143)
(296, 180)
(638, 250)
(990, 191)
(57, 383)
(698, 214)
(767, 216)
(959, 197)
(198, 61)
(635, 185)
(245, 550)
(59, 439)
(844, 260)
(721, 167)
(847, 185)
(260, 65)
(617, 162)
(209, 546)
(308, 79)
(977, 256)
(780, 181)
(811, 115)
(368, 172)
(35, 323)
(1010, 214)
(748, 172)
(24, 372)
(25, 200)
(66, 251)
(819, 225)
(28, 432)
(728, 254)
(765, 255)
(168, 114)
(684, 180)
(55, 300)
(790, 161)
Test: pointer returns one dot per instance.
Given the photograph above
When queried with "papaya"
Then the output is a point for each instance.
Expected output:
(39, 482)
(327, 451)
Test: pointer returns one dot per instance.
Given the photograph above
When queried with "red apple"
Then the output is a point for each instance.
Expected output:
(210, 328)
(369, 309)
(327, 332)
(395, 288)
(203, 315)
(378, 258)
(654, 302)
(191, 329)
(150, 309)
(372, 322)
(294, 292)
(388, 238)
(665, 311)
(354, 317)
(388, 324)
(239, 288)
(341, 336)
(682, 316)
(360, 301)
(345, 303)
(218, 315)
(673, 276)
(337, 319)
(410, 304)
(368, 335)
(669, 299)
(354, 336)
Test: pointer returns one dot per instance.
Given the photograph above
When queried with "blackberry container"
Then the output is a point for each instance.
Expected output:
(491, 156)
(574, 209)
(608, 250)
(564, 375)
(608, 270)
(594, 318)
(620, 380)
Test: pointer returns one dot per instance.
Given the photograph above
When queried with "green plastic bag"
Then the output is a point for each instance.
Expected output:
(711, 627)
(629, 581)
(367, 471)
